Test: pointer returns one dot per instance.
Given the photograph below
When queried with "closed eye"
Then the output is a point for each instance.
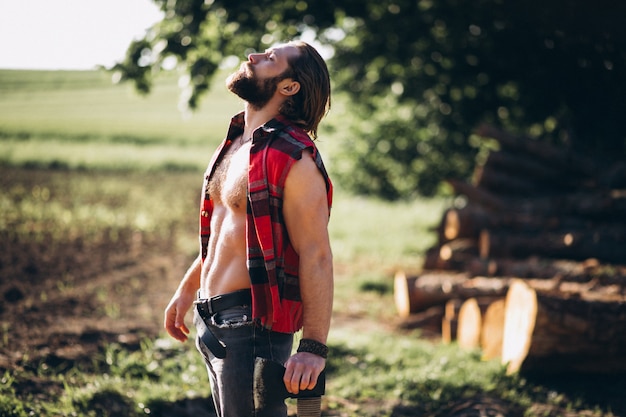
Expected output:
(270, 54)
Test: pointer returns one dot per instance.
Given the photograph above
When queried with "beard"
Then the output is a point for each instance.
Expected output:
(248, 87)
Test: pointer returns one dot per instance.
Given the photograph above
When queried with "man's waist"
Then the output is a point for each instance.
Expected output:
(209, 306)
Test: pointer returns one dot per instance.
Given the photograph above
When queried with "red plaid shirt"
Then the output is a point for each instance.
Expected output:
(273, 264)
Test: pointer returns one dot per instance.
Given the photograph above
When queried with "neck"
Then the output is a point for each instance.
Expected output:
(255, 118)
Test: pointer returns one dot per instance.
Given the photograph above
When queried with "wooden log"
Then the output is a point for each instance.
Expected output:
(427, 321)
(464, 222)
(576, 245)
(530, 267)
(417, 293)
(493, 330)
(554, 331)
(482, 267)
(494, 180)
(450, 320)
(559, 157)
(530, 167)
(467, 222)
(597, 204)
(433, 288)
(403, 293)
(470, 324)
(451, 256)
(457, 249)
(477, 195)
(433, 260)
(471, 321)
(604, 205)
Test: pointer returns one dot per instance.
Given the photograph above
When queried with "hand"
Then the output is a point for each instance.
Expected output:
(302, 370)
(175, 313)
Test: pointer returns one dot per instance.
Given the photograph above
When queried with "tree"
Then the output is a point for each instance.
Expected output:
(421, 74)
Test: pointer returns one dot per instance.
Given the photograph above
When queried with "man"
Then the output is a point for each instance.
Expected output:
(265, 265)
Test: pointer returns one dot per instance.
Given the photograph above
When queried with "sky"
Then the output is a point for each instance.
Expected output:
(70, 34)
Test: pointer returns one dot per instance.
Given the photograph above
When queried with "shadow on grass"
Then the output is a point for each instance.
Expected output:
(111, 403)
(195, 407)
(593, 391)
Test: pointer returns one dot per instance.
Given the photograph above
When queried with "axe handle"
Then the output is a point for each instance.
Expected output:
(309, 407)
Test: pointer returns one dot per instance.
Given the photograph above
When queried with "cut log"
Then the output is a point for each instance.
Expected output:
(477, 195)
(493, 330)
(468, 221)
(494, 180)
(428, 321)
(599, 205)
(450, 320)
(433, 261)
(471, 321)
(482, 267)
(427, 290)
(576, 245)
(557, 331)
(470, 324)
(464, 222)
(433, 288)
(558, 157)
(404, 295)
(530, 167)
(458, 246)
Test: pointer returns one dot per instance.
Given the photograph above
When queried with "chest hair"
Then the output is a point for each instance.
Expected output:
(229, 183)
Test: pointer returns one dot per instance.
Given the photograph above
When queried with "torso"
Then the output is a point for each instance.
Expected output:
(224, 269)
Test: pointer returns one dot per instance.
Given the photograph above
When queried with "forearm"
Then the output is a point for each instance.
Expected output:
(174, 321)
(316, 287)
(191, 280)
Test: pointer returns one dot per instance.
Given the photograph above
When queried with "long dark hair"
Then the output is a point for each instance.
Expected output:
(312, 102)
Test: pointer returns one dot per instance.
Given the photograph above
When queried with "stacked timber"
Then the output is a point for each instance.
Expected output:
(531, 266)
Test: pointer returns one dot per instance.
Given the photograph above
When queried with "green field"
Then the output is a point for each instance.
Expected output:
(91, 167)
(80, 119)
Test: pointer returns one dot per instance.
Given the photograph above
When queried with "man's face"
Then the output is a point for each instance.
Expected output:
(257, 80)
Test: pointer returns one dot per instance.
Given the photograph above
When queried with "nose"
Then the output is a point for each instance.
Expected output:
(255, 58)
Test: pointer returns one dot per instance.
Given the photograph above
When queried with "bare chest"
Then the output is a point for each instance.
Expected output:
(229, 183)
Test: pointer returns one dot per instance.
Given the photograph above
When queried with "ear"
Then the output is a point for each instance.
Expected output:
(289, 87)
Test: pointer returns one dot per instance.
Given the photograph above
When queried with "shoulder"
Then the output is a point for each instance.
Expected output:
(290, 138)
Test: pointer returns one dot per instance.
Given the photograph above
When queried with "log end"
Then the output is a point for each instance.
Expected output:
(519, 323)
(402, 292)
(470, 324)
(493, 330)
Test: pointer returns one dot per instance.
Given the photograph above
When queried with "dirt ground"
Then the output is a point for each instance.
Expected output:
(60, 304)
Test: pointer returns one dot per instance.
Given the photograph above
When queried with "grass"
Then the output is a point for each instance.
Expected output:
(84, 159)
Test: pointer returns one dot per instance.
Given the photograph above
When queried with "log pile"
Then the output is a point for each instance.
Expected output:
(531, 266)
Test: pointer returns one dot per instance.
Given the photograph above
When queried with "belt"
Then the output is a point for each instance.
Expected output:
(209, 307)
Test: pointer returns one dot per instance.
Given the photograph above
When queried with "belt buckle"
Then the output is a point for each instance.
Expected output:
(204, 308)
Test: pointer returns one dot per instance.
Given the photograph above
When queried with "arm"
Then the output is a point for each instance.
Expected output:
(181, 302)
(306, 212)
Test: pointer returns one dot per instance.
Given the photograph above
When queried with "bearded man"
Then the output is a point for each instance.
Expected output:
(264, 269)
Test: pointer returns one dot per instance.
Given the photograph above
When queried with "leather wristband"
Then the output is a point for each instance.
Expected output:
(313, 346)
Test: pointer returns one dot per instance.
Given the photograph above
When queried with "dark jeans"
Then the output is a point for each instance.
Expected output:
(231, 378)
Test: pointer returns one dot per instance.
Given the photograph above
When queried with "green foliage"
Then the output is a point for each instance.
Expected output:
(10, 406)
(422, 74)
